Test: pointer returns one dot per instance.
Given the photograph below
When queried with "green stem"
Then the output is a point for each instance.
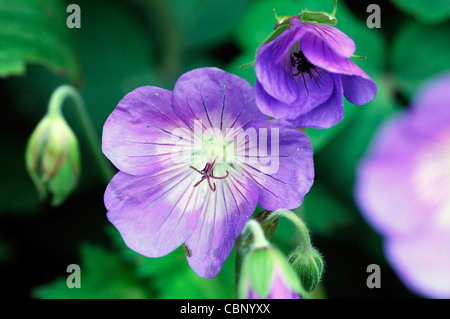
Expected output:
(304, 234)
(259, 239)
(240, 253)
(54, 110)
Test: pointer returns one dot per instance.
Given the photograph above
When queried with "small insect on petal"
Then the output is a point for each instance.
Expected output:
(187, 250)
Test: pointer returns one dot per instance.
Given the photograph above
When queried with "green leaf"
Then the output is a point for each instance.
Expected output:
(103, 276)
(172, 277)
(428, 11)
(418, 53)
(35, 31)
(184, 283)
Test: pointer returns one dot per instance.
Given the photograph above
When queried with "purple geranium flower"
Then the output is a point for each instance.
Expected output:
(403, 189)
(174, 187)
(303, 73)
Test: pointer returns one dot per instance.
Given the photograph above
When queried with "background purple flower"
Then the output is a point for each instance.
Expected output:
(403, 189)
(303, 73)
(158, 201)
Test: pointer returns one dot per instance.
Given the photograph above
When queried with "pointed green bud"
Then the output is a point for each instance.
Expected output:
(309, 266)
(266, 274)
(53, 158)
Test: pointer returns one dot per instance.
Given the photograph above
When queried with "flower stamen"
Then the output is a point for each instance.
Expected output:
(301, 63)
(207, 173)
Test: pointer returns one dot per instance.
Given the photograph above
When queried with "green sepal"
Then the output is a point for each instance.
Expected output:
(319, 17)
(259, 266)
(52, 158)
(258, 270)
(309, 267)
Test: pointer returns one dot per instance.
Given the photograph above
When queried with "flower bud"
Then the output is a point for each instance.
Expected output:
(52, 158)
(309, 267)
(266, 274)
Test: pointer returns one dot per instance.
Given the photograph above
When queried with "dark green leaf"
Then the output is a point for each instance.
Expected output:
(34, 31)
(103, 276)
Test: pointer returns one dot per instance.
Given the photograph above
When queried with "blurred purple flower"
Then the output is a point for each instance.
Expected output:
(403, 189)
(303, 73)
(160, 199)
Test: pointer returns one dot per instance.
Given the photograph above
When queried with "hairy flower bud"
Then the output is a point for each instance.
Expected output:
(308, 265)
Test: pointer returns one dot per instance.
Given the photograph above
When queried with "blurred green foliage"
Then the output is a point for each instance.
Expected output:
(428, 11)
(125, 44)
(24, 22)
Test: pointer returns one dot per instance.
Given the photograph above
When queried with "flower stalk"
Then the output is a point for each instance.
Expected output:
(300, 225)
(55, 110)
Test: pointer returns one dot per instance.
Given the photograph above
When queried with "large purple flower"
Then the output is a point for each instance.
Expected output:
(303, 73)
(174, 186)
(403, 189)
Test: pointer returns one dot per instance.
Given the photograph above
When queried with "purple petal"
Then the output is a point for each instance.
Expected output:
(273, 71)
(137, 136)
(333, 38)
(276, 108)
(328, 113)
(402, 188)
(156, 213)
(223, 218)
(280, 288)
(392, 163)
(284, 171)
(358, 87)
(422, 261)
(391, 212)
(312, 91)
(215, 98)
(358, 90)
